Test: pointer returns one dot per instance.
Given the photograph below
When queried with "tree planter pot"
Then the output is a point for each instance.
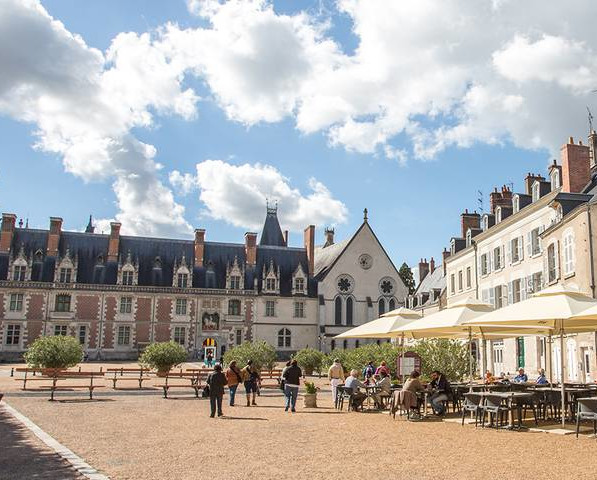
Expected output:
(310, 400)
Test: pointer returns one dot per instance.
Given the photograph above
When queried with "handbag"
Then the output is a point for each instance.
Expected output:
(282, 384)
(205, 392)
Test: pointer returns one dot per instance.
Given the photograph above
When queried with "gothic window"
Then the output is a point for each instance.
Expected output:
(345, 284)
(392, 305)
(233, 307)
(284, 338)
(127, 272)
(386, 286)
(349, 311)
(63, 303)
(270, 278)
(235, 276)
(66, 269)
(338, 311)
(299, 281)
(381, 306)
(181, 274)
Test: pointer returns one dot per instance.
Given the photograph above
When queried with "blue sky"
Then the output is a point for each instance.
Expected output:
(491, 131)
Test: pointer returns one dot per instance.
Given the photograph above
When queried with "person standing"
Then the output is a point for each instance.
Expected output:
(368, 371)
(292, 380)
(233, 377)
(336, 377)
(216, 381)
(250, 378)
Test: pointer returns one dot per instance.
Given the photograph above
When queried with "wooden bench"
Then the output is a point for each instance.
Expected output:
(193, 378)
(41, 374)
(66, 375)
(274, 374)
(123, 374)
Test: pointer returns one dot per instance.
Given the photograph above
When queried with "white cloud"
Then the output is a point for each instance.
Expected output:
(237, 194)
(183, 183)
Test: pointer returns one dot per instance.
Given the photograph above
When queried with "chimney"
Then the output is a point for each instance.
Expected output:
(593, 149)
(310, 247)
(576, 167)
(54, 236)
(431, 265)
(7, 231)
(529, 180)
(251, 248)
(199, 246)
(329, 237)
(114, 243)
(469, 220)
(423, 269)
(286, 237)
(445, 255)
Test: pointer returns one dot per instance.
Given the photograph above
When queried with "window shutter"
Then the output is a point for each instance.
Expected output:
(529, 244)
(557, 259)
(523, 288)
(509, 245)
(505, 295)
(521, 247)
(545, 269)
(510, 293)
(502, 257)
(541, 229)
(485, 296)
(492, 297)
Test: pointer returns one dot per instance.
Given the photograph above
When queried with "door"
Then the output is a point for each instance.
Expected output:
(586, 363)
(572, 365)
(520, 352)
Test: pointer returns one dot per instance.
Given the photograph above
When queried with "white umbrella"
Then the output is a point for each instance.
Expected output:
(560, 309)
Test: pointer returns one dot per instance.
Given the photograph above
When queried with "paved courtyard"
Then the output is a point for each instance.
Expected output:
(140, 435)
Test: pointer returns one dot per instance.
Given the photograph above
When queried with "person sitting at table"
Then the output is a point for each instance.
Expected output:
(488, 377)
(541, 379)
(383, 367)
(353, 383)
(368, 371)
(521, 377)
(413, 385)
(385, 389)
(440, 388)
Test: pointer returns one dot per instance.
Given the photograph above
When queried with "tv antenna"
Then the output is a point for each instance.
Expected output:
(480, 200)
(590, 118)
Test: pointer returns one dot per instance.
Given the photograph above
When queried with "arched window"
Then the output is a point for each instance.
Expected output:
(333, 345)
(284, 337)
(356, 344)
(349, 311)
(382, 306)
(338, 311)
(392, 304)
(345, 344)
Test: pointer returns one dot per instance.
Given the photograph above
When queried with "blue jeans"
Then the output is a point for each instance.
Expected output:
(436, 402)
(232, 389)
(291, 394)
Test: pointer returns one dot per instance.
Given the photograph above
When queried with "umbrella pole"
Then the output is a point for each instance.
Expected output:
(563, 387)
(549, 361)
(402, 361)
(470, 356)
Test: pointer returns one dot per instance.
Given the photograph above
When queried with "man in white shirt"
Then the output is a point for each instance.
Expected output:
(336, 377)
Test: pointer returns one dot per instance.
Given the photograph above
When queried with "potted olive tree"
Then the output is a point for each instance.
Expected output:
(162, 356)
(56, 352)
(310, 397)
(310, 360)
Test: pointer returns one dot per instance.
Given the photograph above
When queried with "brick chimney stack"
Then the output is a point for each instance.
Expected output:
(529, 180)
(469, 220)
(7, 231)
(114, 243)
(329, 237)
(54, 236)
(423, 269)
(501, 198)
(576, 166)
(199, 246)
(310, 247)
(445, 255)
(251, 248)
(431, 265)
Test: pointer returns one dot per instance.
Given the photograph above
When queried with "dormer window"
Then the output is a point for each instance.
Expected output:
(299, 281)
(270, 278)
(183, 280)
(181, 274)
(498, 214)
(485, 222)
(235, 275)
(270, 283)
(127, 277)
(536, 192)
(65, 275)
(299, 285)
(127, 273)
(515, 204)
(555, 179)
(19, 273)
(234, 282)
(559, 213)
(469, 237)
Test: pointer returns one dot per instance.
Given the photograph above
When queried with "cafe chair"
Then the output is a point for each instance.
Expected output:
(586, 410)
(472, 404)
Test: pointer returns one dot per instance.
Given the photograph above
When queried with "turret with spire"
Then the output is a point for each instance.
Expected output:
(90, 228)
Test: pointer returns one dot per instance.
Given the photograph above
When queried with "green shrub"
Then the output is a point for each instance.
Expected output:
(310, 360)
(163, 355)
(451, 357)
(310, 388)
(54, 352)
(262, 354)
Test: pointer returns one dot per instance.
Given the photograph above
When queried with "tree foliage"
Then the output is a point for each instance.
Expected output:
(310, 360)
(163, 355)
(54, 352)
(262, 354)
(406, 275)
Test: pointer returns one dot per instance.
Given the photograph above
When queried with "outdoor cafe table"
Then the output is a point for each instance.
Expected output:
(370, 390)
(510, 398)
(572, 394)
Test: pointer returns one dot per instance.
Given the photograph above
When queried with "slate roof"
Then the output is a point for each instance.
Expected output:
(272, 233)
(157, 259)
(325, 257)
(434, 280)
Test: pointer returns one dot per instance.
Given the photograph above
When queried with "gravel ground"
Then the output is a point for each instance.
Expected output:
(148, 437)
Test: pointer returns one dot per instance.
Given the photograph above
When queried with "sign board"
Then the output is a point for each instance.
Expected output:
(410, 362)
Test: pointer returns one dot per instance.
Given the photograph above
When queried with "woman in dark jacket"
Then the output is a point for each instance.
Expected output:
(292, 379)
(216, 381)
